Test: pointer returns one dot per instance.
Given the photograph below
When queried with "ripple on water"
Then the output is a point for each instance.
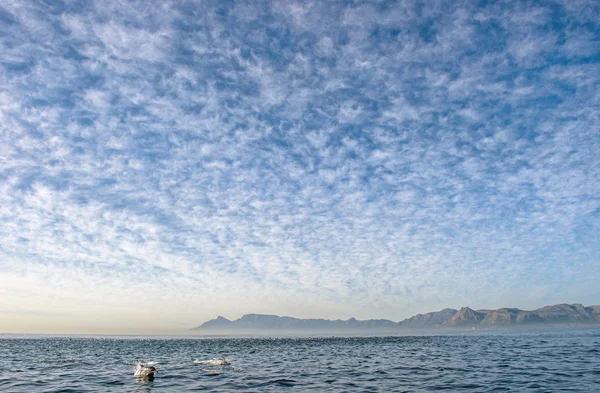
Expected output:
(546, 361)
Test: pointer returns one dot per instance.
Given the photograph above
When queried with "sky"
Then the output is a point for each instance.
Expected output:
(163, 163)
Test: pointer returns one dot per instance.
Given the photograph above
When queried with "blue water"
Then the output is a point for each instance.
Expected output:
(565, 360)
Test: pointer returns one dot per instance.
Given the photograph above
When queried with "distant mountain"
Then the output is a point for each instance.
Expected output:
(560, 314)
(258, 322)
(428, 320)
(219, 323)
(557, 315)
(503, 316)
(465, 317)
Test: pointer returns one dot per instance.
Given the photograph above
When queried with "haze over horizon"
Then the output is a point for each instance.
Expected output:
(164, 163)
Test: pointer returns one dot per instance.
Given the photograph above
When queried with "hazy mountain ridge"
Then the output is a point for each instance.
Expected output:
(559, 314)
(428, 320)
(274, 322)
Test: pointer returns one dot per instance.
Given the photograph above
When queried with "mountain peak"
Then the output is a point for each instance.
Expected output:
(218, 323)
(428, 320)
(465, 316)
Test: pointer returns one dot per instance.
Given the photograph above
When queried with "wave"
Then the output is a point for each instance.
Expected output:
(211, 372)
(214, 362)
(136, 362)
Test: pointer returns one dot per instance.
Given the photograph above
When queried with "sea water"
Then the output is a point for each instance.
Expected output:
(559, 360)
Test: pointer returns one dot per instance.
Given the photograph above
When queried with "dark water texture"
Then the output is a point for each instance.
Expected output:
(566, 360)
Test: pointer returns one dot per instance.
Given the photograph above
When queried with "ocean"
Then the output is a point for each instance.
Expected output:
(536, 361)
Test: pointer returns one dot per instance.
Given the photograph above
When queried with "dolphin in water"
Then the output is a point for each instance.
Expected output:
(146, 372)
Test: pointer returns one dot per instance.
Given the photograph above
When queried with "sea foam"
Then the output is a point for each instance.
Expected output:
(214, 362)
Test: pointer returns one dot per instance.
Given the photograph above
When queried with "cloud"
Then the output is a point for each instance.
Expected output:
(309, 159)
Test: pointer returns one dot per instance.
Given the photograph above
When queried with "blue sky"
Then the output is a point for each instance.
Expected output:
(162, 163)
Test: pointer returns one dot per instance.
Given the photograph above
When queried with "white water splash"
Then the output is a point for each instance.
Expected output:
(214, 362)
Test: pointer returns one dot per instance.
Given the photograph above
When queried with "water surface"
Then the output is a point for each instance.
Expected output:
(564, 360)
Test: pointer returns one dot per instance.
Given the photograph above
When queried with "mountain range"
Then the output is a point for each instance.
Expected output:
(448, 318)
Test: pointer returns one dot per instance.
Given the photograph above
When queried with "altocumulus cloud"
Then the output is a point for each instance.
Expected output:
(325, 159)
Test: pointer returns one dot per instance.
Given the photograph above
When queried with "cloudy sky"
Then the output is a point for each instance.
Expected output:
(162, 163)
